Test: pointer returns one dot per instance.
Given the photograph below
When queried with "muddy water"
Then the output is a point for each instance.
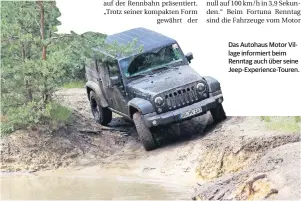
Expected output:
(51, 187)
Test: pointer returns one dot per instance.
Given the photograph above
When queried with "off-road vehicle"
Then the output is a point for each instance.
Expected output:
(152, 87)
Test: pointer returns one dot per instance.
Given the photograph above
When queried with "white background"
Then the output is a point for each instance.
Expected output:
(245, 94)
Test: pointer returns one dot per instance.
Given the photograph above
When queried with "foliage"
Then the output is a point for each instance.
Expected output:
(265, 118)
(35, 60)
(33, 113)
(25, 77)
(59, 113)
(74, 84)
(82, 48)
(283, 124)
(19, 117)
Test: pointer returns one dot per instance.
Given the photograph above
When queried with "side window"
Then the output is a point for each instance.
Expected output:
(113, 68)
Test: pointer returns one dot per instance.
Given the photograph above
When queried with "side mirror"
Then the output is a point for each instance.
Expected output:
(189, 56)
(115, 80)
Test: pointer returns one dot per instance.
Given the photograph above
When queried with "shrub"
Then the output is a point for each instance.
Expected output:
(59, 113)
(34, 113)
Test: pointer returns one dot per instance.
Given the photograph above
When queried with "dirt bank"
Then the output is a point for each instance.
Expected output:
(254, 168)
(80, 143)
(230, 160)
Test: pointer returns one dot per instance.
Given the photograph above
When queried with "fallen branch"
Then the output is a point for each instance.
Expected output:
(250, 183)
(249, 186)
(105, 128)
(91, 131)
(272, 191)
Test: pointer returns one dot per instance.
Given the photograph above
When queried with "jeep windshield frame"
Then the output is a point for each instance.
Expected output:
(167, 56)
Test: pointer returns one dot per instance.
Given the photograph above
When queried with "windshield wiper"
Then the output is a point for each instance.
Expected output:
(137, 76)
(159, 69)
(175, 63)
(165, 67)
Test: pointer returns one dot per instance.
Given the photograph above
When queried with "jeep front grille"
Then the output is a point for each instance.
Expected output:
(181, 97)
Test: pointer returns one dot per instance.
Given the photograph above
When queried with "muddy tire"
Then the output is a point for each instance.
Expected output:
(145, 135)
(218, 113)
(102, 115)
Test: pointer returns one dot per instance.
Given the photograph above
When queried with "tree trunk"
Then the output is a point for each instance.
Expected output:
(44, 48)
(42, 28)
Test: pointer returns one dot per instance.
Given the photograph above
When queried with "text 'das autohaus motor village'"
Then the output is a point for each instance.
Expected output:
(162, 11)
(269, 57)
(253, 11)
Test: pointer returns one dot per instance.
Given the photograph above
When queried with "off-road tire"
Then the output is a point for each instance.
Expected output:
(144, 133)
(218, 114)
(102, 115)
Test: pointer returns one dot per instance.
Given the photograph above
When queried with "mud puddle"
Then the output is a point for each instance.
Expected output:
(84, 187)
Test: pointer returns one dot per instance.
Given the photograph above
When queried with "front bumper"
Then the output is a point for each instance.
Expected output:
(174, 116)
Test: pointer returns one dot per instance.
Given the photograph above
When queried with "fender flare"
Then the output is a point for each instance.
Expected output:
(213, 84)
(92, 86)
(143, 106)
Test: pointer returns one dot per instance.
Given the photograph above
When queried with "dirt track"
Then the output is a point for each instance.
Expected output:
(221, 157)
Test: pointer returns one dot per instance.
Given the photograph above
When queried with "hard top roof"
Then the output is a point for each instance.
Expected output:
(146, 38)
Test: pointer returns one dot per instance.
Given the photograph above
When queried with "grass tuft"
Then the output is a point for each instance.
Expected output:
(74, 84)
(60, 113)
(34, 114)
(284, 124)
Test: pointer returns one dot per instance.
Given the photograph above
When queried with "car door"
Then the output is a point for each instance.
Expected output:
(115, 93)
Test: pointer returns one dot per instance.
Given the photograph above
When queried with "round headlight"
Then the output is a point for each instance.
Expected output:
(200, 87)
(159, 101)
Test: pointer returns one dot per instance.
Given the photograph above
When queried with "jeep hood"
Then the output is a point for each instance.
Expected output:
(164, 80)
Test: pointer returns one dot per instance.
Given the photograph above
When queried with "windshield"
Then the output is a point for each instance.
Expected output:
(148, 61)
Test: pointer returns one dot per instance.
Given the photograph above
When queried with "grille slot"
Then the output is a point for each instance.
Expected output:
(181, 97)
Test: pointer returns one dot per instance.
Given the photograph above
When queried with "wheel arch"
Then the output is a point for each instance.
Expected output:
(140, 105)
(213, 84)
(92, 86)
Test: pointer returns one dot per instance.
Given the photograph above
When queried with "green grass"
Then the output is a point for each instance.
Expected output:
(74, 84)
(59, 113)
(284, 124)
(34, 114)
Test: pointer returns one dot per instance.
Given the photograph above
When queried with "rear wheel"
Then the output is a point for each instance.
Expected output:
(218, 113)
(102, 115)
(145, 135)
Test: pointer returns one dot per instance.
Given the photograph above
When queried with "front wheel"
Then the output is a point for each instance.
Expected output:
(102, 115)
(145, 135)
(218, 113)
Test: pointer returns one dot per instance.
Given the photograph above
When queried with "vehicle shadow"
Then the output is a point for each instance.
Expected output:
(170, 135)
(189, 130)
